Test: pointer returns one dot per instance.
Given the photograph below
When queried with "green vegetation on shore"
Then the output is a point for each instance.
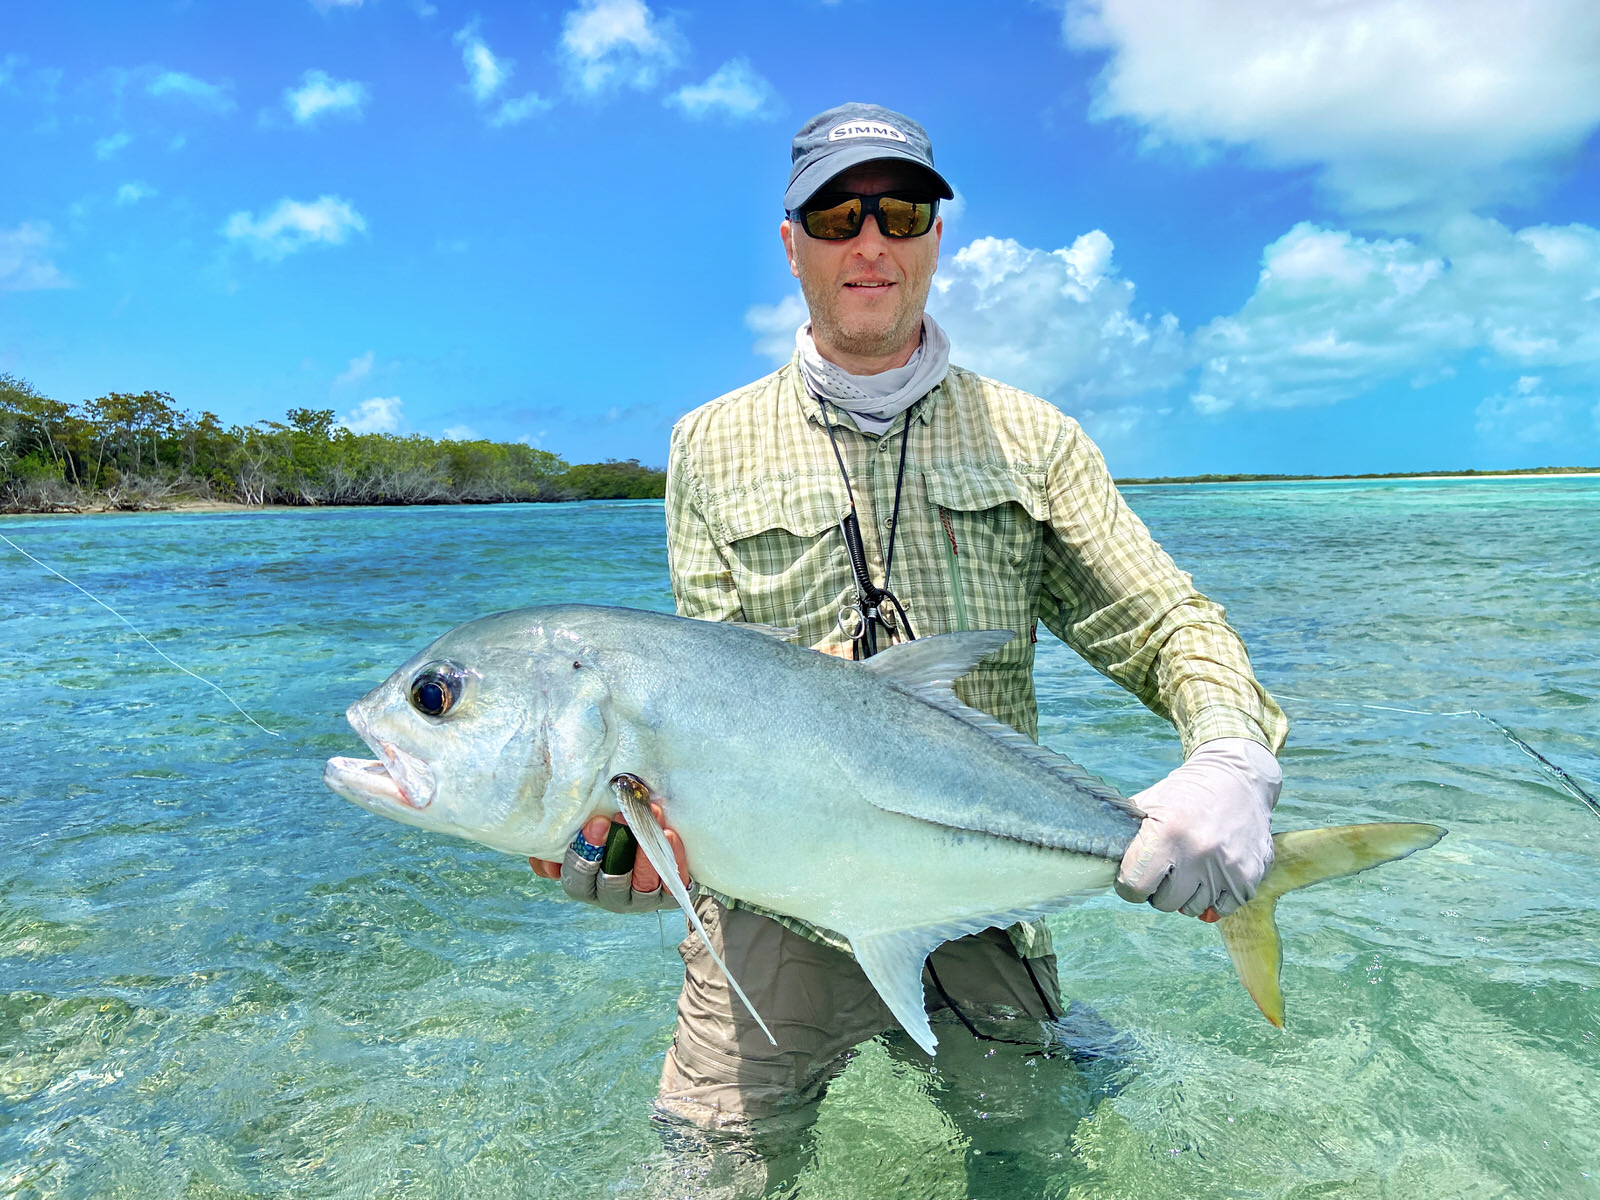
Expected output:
(1463, 474)
(139, 451)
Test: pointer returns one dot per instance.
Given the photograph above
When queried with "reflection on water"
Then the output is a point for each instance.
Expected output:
(217, 979)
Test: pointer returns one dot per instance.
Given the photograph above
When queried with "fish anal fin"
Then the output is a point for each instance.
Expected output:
(893, 965)
(1300, 858)
(893, 961)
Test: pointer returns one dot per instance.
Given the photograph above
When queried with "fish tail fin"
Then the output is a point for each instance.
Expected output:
(1301, 858)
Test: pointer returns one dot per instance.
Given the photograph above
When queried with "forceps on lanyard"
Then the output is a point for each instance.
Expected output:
(876, 609)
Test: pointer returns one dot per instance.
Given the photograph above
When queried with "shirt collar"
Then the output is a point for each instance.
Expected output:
(812, 408)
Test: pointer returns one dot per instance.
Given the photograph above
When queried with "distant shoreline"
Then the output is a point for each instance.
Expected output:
(203, 507)
(1396, 476)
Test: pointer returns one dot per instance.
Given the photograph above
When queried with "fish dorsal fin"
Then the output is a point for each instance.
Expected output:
(925, 669)
(936, 662)
(781, 633)
(1058, 765)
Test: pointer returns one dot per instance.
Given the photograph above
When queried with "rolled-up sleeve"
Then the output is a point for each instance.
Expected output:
(1117, 598)
(702, 584)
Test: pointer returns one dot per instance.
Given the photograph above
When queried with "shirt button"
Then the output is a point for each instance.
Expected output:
(883, 444)
(888, 522)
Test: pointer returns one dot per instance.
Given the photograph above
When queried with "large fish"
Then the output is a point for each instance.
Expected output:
(861, 797)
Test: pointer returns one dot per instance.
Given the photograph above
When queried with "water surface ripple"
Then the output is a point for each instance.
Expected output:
(219, 980)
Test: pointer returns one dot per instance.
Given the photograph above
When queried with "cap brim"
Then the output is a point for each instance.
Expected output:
(809, 182)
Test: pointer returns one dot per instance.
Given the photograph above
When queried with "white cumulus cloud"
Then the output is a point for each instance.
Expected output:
(25, 264)
(184, 86)
(1334, 315)
(1525, 414)
(1405, 105)
(488, 75)
(293, 225)
(320, 94)
(512, 112)
(360, 367)
(617, 43)
(109, 147)
(774, 326)
(132, 193)
(1059, 323)
(381, 414)
(733, 90)
(461, 433)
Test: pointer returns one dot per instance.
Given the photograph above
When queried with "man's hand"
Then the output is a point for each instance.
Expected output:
(1206, 840)
(582, 879)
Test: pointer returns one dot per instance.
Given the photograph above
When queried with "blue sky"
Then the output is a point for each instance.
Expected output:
(1227, 235)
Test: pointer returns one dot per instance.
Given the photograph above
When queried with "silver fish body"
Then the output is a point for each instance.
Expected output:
(861, 797)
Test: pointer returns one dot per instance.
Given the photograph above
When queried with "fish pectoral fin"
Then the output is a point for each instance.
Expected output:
(893, 965)
(1301, 858)
(633, 798)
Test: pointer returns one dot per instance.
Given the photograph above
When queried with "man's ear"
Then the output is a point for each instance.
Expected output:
(786, 234)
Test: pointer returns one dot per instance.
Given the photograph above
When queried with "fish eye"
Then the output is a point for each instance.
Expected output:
(438, 688)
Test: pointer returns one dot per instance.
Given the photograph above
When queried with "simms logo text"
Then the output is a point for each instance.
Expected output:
(855, 129)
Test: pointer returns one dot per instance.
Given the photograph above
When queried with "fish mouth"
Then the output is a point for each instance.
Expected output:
(365, 781)
(396, 777)
(399, 778)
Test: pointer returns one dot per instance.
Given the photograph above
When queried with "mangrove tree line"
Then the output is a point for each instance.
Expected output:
(140, 450)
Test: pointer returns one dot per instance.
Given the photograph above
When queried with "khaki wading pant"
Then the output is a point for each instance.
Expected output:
(722, 1070)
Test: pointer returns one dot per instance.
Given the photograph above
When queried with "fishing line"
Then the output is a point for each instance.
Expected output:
(1562, 777)
(138, 633)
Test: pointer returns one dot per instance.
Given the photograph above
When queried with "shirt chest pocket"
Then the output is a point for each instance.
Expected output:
(782, 544)
(992, 524)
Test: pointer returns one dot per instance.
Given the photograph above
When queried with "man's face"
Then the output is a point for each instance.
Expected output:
(866, 294)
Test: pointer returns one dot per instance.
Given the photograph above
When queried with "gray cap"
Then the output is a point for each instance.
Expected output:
(842, 137)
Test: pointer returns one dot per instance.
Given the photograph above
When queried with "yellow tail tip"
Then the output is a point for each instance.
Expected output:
(1301, 858)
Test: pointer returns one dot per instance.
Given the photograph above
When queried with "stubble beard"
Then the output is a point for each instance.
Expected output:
(866, 337)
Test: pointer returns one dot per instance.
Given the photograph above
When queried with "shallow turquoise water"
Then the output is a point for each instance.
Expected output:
(217, 979)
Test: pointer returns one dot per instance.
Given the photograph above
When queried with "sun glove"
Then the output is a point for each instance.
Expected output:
(582, 879)
(1206, 839)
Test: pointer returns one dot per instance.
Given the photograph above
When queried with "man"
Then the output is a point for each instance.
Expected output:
(978, 507)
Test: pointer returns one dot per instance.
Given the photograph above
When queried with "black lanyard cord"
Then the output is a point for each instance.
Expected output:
(869, 596)
(1050, 1010)
(894, 519)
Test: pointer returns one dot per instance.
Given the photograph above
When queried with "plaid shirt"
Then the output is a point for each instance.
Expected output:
(1007, 516)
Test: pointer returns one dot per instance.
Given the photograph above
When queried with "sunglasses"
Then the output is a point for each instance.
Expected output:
(838, 217)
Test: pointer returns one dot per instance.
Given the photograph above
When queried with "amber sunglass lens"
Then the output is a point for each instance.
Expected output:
(836, 222)
(905, 218)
